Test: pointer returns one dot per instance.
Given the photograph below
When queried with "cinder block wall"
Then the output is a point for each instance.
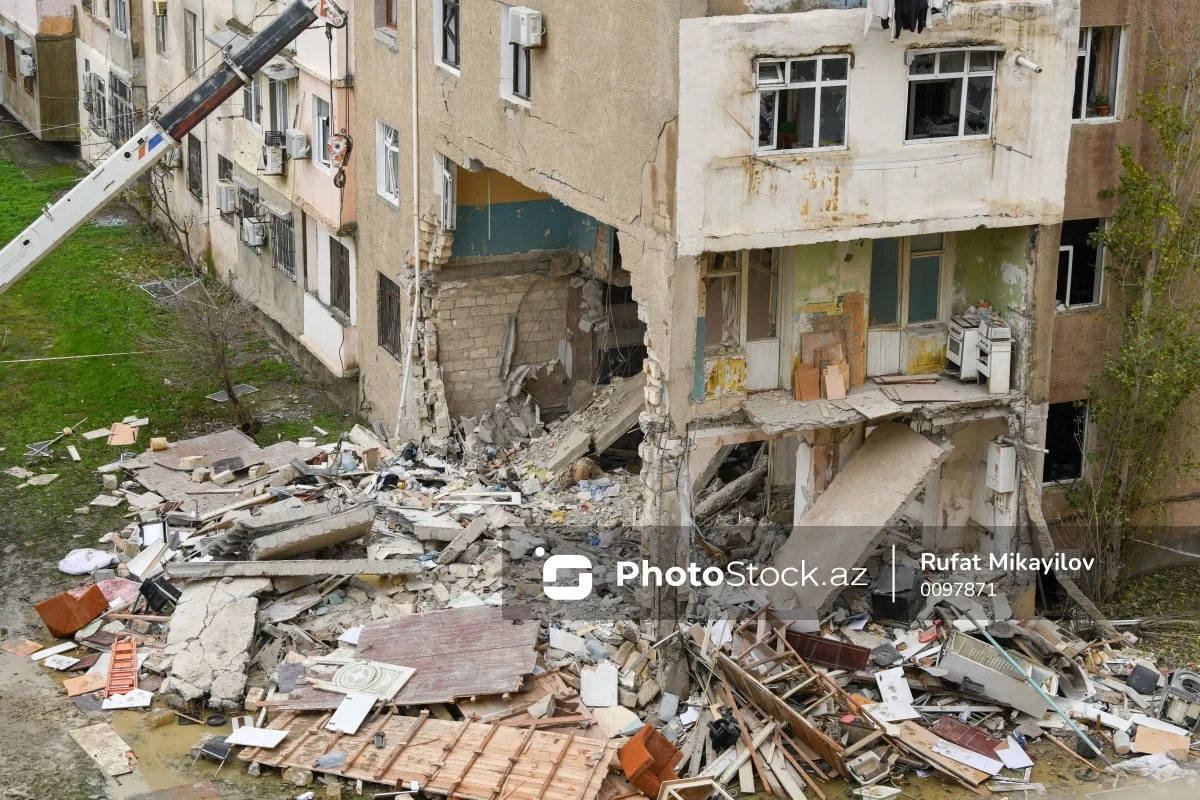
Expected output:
(472, 316)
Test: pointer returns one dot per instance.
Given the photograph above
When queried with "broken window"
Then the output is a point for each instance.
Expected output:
(448, 22)
(950, 93)
(339, 276)
(1066, 442)
(387, 163)
(391, 332)
(284, 241)
(722, 301)
(195, 167)
(1097, 62)
(802, 103)
(1080, 264)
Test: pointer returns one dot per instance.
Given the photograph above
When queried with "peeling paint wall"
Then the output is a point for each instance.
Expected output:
(991, 265)
(731, 199)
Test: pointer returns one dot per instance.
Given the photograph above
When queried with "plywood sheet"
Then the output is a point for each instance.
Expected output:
(924, 742)
(471, 761)
(105, 747)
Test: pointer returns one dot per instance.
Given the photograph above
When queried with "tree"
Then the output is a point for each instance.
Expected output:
(160, 183)
(199, 336)
(1153, 247)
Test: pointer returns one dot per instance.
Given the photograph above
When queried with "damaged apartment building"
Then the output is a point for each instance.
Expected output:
(838, 235)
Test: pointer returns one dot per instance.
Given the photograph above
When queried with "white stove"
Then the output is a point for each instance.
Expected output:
(994, 360)
(962, 348)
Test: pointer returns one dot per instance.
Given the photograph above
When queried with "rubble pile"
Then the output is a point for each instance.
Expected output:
(349, 604)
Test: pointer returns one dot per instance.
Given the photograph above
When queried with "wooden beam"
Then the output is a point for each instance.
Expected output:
(512, 762)
(478, 751)
(541, 792)
(737, 714)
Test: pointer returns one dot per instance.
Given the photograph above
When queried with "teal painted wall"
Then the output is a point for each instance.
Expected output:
(521, 227)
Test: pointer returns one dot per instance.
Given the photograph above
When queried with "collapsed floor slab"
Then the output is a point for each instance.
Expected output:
(209, 640)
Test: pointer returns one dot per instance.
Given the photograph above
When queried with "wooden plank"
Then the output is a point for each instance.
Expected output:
(737, 714)
(923, 742)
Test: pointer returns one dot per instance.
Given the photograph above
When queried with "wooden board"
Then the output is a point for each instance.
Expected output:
(923, 742)
(829, 345)
(854, 309)
(472, 761)
(122, 435)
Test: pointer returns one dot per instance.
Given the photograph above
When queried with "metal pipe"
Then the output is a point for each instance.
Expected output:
(1022, 61)
(416, 218)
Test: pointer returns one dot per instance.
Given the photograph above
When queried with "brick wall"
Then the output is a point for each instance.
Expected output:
(472, 316)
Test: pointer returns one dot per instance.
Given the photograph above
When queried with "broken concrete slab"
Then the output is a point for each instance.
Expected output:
(277, 516)
(292, 568)
(886, 472)
(209, 641)
(626, 405)
(309, 537)
(106, 748)
(570, 448)
(456, 548)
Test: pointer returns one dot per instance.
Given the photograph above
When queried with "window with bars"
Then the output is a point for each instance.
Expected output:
(195, 167)
(339, 276)
(391, 330)
(99, 107)
(122, 110)
(448, 23)
(284, 244)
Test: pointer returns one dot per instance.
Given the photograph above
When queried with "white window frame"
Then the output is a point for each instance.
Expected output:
(1101, 253)
(99, 116)
(439, 54)
(384, 151)
(1085, 50)
(192, 53)
(252, 101)
(321, 132)
(507, 78)
(784, 81)
(964, 76)
(120, 17)
(448, 191)
(279, 114)
(904, 258)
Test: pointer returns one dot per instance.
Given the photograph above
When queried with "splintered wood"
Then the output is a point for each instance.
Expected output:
(468, 760)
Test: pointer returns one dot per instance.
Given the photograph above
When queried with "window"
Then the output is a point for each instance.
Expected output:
(339, 276)
(283, 237)
(447, 16)
(10, 58)
(802, 103)
(906, 280)
(248, 203)
(28, 82)
(389, 13)
(161, 33)
(1097, 62)
(950, 93)
(320, 132)
(515, 67)
(195, 167)
(449, 192)
(100, 109)
(391, 331)
(722, 302)
(120, 17)
(87, 85)
(122, 110)
(225, 175)
(87, 5)
(279, 105)
(1066, 442)
(191, 42)
(1080, 264)
(252, 101)
(387, 163)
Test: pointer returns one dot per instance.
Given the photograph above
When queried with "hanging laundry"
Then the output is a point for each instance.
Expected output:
(882, 10)
(910, 16)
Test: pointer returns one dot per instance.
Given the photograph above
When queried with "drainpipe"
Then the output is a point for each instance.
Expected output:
(416, 219)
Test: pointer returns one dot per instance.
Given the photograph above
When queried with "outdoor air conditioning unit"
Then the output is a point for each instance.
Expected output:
(160, 8)
(525, 27)
(172, 159)
(26, 66)
(297, 143)
(271, 162)
(254, 232)
(227, 197)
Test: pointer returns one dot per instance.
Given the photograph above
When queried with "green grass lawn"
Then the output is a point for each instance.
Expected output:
(82, 299)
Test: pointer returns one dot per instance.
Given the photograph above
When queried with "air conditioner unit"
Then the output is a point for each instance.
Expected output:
(160, 8)
(254, 232)
(271, 162)
(525, 27)
(172, 159)
(227, 197)
(297, 143)
(26, 66)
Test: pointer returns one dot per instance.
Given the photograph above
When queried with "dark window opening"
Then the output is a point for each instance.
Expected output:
(391, 331)
(450, 11)
(339, 276)
(10, 58)
(1080, 264)
(1066, 426)
(195, 168)
(617, 295)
